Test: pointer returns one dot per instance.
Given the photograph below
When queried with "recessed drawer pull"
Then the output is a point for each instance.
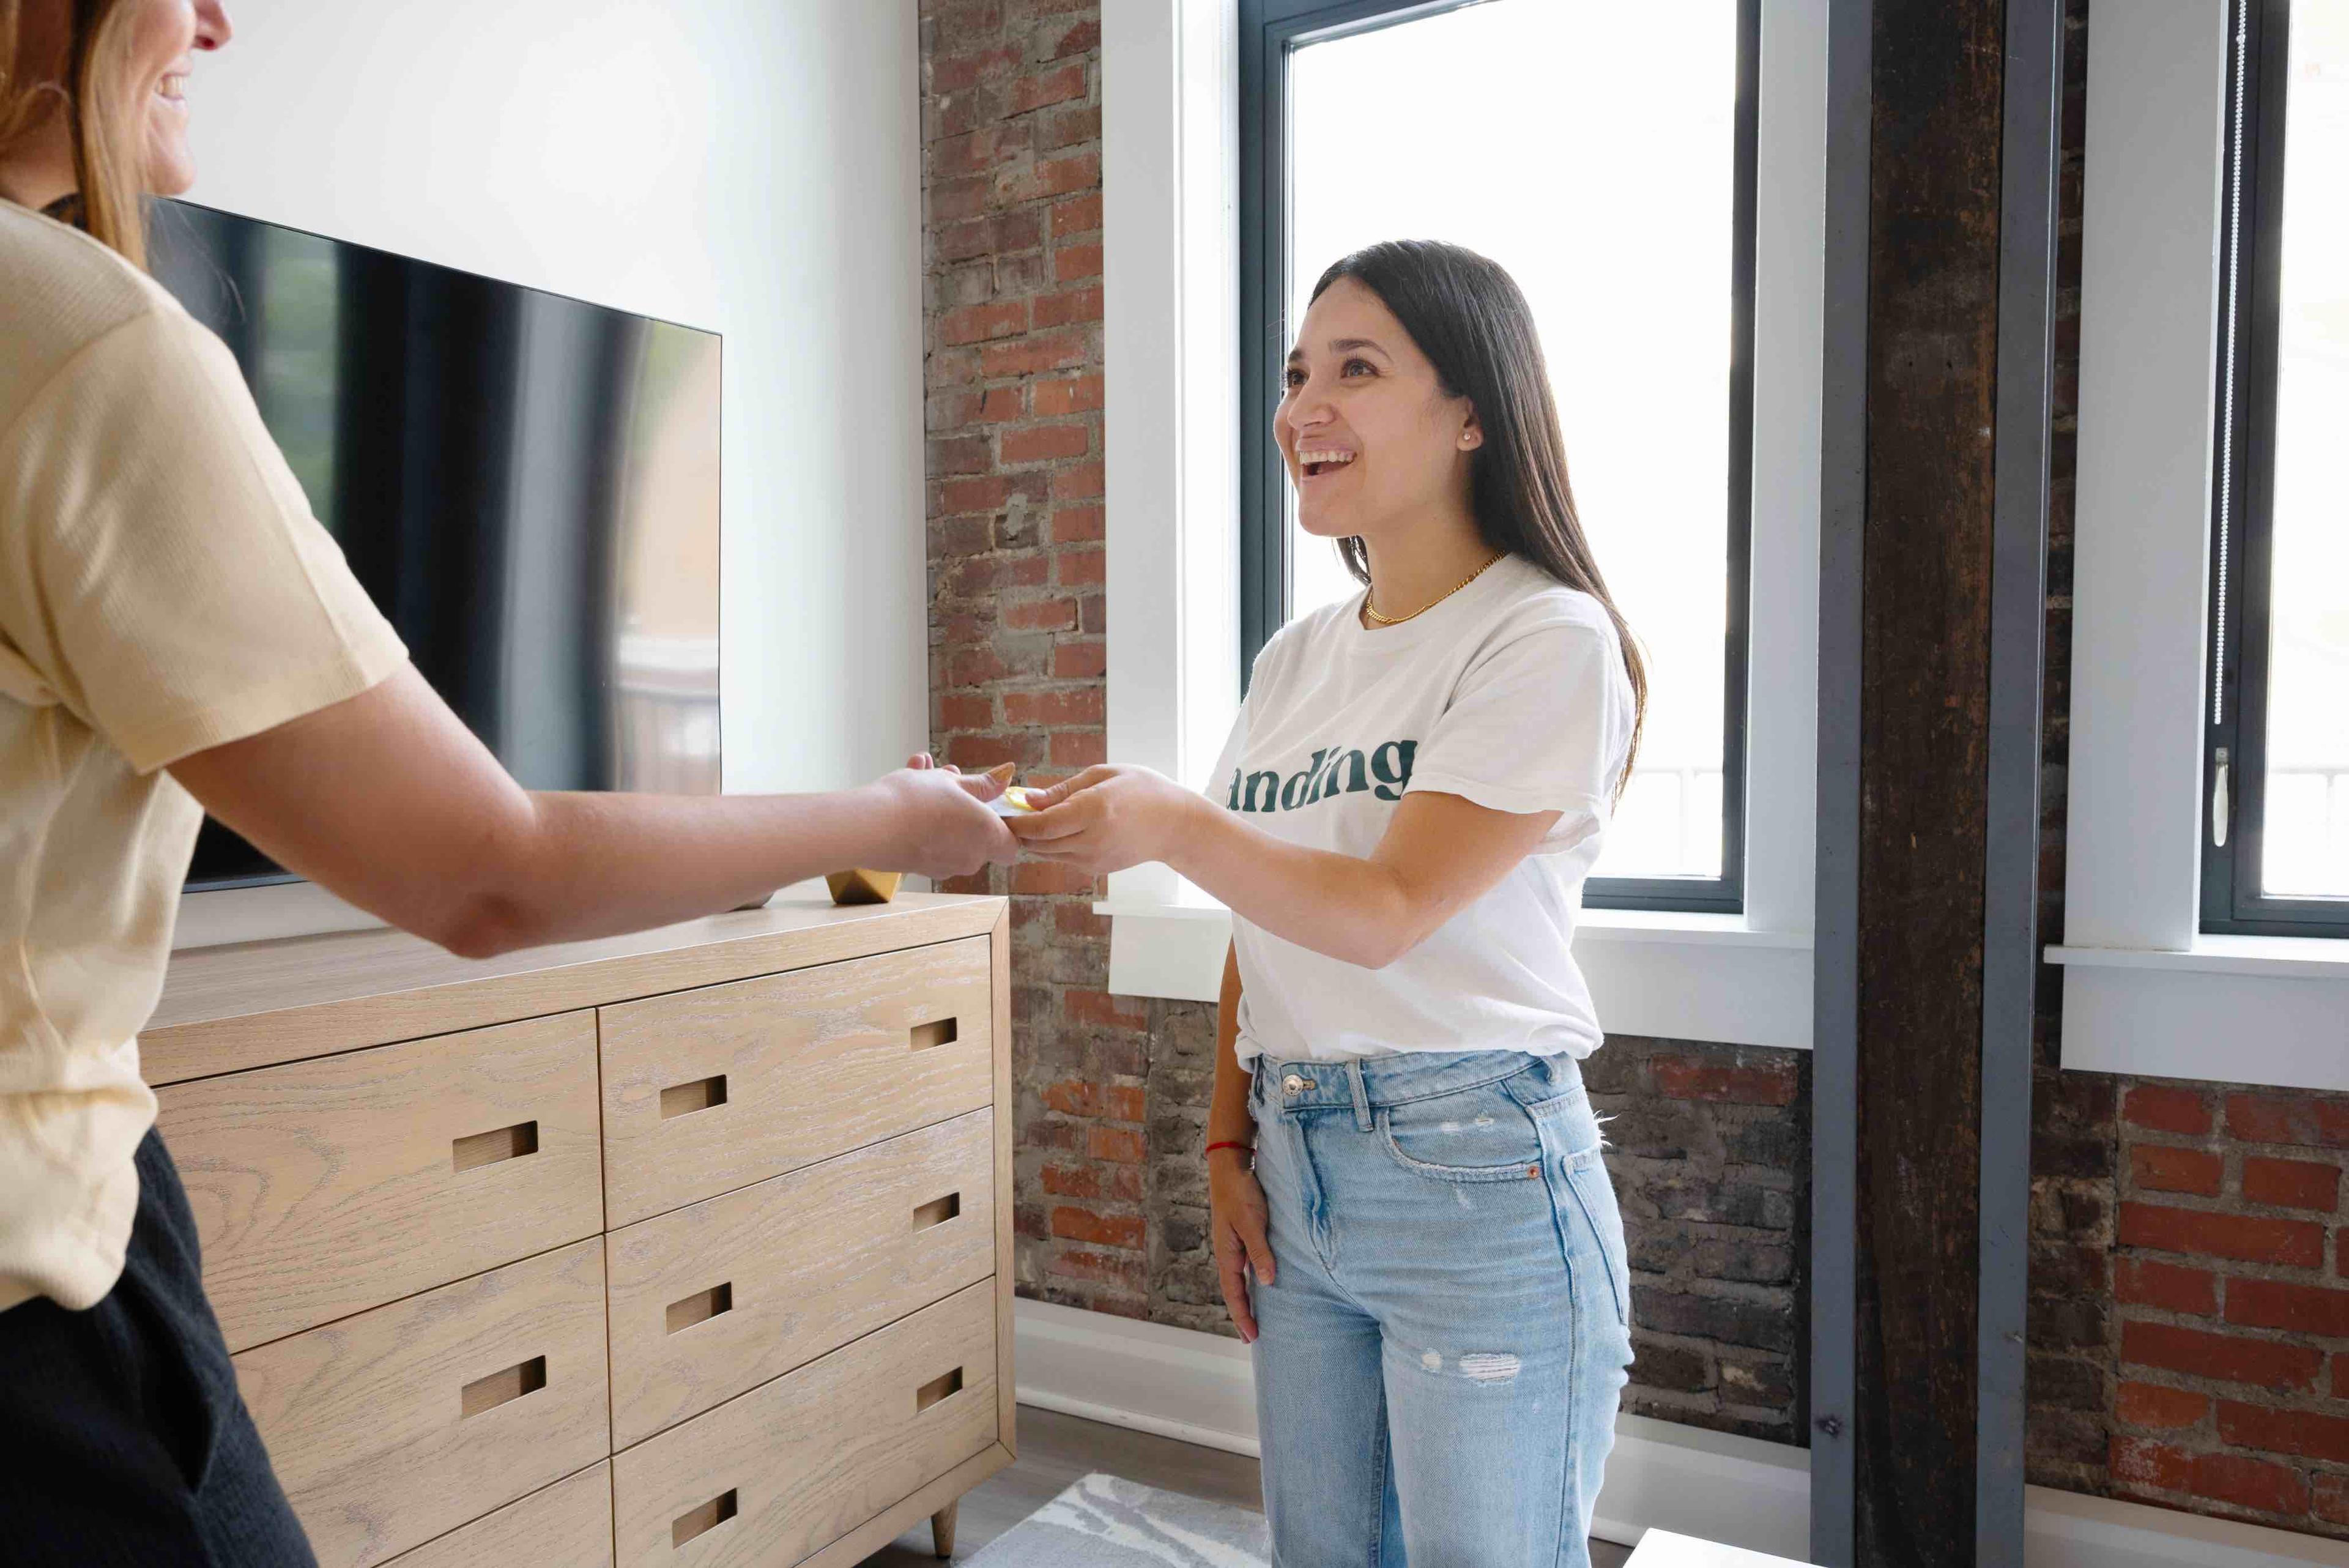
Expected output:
(937, 1212)
(701, 1306)
(942, 1032)
(702, 1519)
(490, 1147)
(937, 1388)
(683, 1099)
(503, 1388)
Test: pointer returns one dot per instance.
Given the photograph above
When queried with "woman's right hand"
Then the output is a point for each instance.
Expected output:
(1235, 1225)
(946, 827)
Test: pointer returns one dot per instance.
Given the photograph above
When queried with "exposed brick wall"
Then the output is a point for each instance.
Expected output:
(2190, 1324)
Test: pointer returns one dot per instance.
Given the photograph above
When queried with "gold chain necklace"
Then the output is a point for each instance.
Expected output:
(1372, 611)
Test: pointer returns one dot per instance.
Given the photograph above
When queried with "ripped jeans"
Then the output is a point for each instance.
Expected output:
(1445, 1339)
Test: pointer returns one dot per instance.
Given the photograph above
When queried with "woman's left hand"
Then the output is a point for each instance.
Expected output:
(1107, 818)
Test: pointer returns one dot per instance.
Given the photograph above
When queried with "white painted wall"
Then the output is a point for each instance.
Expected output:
(754, 168)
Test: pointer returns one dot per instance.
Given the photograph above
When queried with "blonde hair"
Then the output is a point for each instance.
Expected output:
(104, 117)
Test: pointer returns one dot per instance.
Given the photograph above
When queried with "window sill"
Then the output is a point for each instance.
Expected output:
(2271, 1011)
(1676, 976)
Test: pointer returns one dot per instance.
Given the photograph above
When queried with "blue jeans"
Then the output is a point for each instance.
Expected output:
(1446, 1336)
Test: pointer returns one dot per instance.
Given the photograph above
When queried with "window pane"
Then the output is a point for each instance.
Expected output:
(2306, 845)
(1542, 135)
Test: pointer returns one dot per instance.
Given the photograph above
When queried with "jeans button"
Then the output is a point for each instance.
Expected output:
(1293, 1084)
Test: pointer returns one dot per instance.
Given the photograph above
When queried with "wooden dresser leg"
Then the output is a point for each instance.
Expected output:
(942, 1528)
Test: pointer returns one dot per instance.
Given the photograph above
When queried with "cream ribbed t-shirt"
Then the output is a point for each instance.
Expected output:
(163, 589)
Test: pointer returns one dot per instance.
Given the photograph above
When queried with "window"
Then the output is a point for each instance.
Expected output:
(1620, 196)
(2276, 839)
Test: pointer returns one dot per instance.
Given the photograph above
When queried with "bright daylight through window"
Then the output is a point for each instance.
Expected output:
(2307, 840)
(1544, 136)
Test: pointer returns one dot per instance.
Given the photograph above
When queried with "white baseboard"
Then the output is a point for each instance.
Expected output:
(1201, 1388)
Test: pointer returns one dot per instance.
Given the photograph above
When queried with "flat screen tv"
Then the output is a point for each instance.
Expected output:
(527, 484)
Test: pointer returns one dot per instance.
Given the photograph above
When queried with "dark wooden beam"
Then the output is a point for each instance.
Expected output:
(1926, 579)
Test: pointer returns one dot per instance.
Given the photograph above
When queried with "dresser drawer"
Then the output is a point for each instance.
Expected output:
(397, 1425)
(706, 1091)
(783, 1472)
(567, 1524)
(322, 1188)
(713, 1299)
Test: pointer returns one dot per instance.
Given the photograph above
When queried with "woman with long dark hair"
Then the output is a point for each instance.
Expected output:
(1411, 1217)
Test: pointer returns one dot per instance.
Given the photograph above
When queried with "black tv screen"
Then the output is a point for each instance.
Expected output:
(527, 484)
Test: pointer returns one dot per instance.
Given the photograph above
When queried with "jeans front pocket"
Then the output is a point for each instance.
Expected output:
(1476, 1135)
(1594, 1194)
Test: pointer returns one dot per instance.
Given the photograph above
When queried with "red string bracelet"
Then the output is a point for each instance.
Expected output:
(1231, 1144)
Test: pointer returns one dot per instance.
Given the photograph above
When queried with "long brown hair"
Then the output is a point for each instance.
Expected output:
(1471, 320)
(104, 117)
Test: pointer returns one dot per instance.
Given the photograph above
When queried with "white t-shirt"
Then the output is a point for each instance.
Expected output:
(1512, 694)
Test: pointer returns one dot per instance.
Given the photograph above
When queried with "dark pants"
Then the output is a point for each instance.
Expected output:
(123, 1441)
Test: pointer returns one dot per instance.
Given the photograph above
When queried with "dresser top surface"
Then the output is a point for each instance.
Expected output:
(209, 985)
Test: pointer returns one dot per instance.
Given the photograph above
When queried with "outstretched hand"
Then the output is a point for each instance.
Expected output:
(1107, 818)
(949, 831)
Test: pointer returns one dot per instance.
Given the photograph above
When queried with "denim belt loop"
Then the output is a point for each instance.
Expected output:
(1362, 1122)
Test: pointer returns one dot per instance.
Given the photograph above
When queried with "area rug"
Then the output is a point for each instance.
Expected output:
(1104, 1523)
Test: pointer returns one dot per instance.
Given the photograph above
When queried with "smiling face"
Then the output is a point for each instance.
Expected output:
(1371, 438)
(164, 36)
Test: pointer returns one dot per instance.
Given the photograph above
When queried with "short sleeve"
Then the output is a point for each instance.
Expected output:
(1539, 723)
(160, 567)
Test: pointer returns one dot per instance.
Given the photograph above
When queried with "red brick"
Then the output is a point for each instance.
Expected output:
(1097, 1007)
(1046, 443)
(978, 323)
(1072, 395)
(2291, 1183)
(1064, 349)
(987, 574)
(1116, 1183)
(1046, 877)
(1079, 749)
(2166, 1109)
(2299, 1243)
(1085, 36)
(1679, 1078)
(2331, 1502)
(973, 753)
(1047, 177)
(1041, 615)
(2167, 1170)
(2303, 1432)
(1058, 86)
(1001, 403)
(1125, 1146)
(2249, 1483)
(977, 667)
(1099, 1230)
(2341, 1376)
(1080, 526)
(958, 455)
(1080, 482)
(2145, 1281)
(980, 150)
(2230, 1358)
(1102, 1268)
(2280, 1304)
(1079, 568)
(2317, 1121)
(1078, 215)
(1068, 127)
(1048, 710)
(1071, 263)
(956, 711)
(2165, 1410)
(956, 72)
(987, 493)
(968, 26)
(1079, 660)
(2144, 1462)
(1071, 305)
(1075, 921)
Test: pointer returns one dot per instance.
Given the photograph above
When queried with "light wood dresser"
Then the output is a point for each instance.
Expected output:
(686, 1247)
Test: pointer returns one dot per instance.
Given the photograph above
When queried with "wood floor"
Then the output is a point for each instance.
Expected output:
(1056, 1449)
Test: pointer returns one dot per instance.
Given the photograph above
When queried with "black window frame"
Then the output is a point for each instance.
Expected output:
(1269, 32)
(2242, 493)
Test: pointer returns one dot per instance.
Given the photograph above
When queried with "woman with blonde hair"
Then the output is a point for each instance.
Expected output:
(1409, 1215)
(178, 633)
